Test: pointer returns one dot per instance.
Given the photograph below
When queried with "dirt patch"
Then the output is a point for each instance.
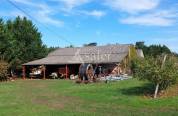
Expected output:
(57, 102)
(170, 92)
(49, 103)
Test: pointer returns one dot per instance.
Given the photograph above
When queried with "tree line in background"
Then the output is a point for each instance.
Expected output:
(153, 50)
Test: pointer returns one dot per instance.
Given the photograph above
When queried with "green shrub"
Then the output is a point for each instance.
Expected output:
(160, 72)
(3, 70)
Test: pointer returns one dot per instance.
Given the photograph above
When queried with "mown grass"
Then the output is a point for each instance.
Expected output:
(65, 98)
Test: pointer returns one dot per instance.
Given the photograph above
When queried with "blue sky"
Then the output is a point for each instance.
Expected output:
(101, 21)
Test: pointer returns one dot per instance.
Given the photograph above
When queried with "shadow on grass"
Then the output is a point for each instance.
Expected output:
(146, 89)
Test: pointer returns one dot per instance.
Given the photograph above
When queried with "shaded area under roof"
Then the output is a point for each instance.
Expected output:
(92, 54)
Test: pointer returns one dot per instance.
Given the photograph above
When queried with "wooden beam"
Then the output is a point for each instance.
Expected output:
(66, 71)
(44, 72)
(23, 72)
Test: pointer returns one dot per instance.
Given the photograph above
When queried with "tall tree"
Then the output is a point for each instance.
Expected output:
(4, 43)
(155, 50)
(25, 42)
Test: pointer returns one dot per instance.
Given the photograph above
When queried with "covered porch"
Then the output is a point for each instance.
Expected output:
(63, 71)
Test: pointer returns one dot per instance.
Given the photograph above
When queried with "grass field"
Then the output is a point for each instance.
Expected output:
(65, 98)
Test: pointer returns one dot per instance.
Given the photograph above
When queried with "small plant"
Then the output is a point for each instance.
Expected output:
(3, 70)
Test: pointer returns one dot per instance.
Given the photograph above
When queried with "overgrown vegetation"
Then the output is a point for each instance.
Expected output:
(161, 71)
(3, 70)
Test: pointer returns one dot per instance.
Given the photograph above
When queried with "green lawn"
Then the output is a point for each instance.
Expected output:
(65, 98)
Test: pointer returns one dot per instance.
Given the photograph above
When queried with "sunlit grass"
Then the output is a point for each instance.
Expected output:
(66, 98)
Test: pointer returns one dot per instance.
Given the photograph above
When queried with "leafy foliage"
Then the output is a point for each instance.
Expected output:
(4, 43)
(3, 70)
(153, 50)
(153, 70)
(133, 53)
(20, 42)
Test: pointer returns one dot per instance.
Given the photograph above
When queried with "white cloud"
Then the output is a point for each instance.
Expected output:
(132, 6)
(94, 13)
(144, 12)
(23, 1)
(160, 18)
(43, 16)
(70, 4)
(41, 12)
(12, 14)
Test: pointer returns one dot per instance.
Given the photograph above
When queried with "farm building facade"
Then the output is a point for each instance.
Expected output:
(68, 60)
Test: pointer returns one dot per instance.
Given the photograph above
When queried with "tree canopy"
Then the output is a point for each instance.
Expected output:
(161, 71)
(3, 70)
(90, 44)
(20, 42)
(153, 50)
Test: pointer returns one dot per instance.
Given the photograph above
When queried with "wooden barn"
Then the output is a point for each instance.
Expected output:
(66, 61)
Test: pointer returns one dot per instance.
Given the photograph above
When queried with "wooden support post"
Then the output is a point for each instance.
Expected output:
(66, 71)
(44, 72)
(23, 72)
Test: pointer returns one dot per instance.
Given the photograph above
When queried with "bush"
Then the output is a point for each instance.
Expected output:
(160, 72)
(3, 70)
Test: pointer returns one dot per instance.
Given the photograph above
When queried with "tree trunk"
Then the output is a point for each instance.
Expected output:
(164, 60)
(157, 86)
(156, 90)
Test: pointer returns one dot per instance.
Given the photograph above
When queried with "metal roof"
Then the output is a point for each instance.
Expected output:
(93, 54)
